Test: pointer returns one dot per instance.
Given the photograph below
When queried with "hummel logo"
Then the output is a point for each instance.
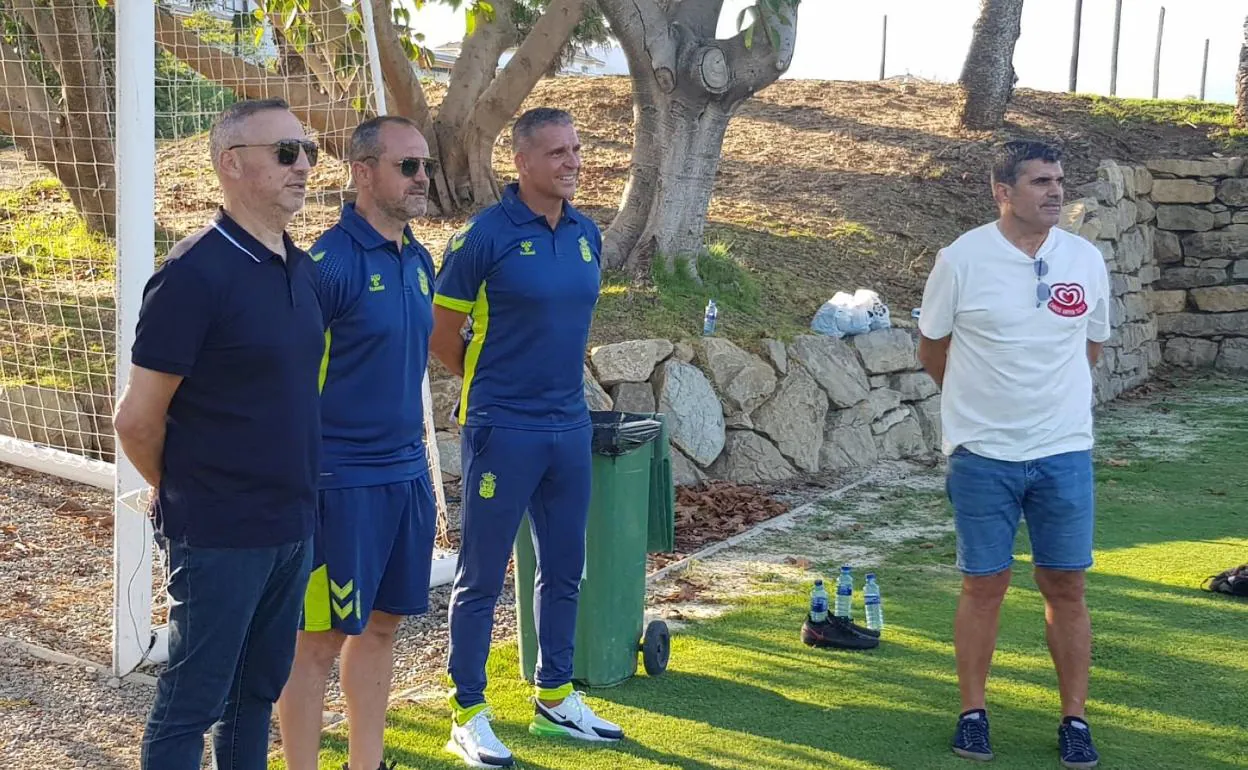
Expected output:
(526, 248)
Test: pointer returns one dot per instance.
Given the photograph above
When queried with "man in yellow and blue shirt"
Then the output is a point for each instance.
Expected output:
(526, 272)
(377, 519)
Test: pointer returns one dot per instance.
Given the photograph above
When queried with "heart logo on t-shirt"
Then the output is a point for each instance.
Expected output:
(1067, 300)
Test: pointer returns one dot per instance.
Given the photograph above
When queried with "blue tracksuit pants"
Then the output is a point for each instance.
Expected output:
(505, 471)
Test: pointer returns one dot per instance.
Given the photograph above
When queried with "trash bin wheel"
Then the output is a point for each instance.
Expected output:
(656, 647)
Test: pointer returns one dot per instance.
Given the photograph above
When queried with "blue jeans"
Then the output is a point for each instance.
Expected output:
(507, 470)
(1054, 494)
(233, 619)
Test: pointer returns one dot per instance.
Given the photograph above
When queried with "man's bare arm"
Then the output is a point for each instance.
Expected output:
(1094, 352)
(140, 420)
(933, 355)
(445, 342)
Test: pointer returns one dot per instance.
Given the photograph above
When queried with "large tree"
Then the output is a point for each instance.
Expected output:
(686, 86)
(57, 88)
(988, 74)
(1241, 83)
(57, 97)
(326, 44)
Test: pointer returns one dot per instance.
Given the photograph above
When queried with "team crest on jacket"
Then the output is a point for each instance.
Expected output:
(424, 281)
(1068, 300)
(486, 488)
(587, 254)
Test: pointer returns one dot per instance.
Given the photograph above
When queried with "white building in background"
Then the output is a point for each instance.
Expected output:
(445, 56)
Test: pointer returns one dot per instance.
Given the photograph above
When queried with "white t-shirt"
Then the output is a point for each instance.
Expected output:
(1018, 385)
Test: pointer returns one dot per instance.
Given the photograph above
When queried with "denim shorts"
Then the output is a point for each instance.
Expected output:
(1054, 494)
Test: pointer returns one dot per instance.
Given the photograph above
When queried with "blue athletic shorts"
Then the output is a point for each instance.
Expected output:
(372, 549)
(1054, 494)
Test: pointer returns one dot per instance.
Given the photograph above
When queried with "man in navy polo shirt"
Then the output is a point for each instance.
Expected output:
(526, 271)
(374, 535)
(221, 417)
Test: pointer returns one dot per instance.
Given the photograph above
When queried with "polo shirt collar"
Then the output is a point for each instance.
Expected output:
(364, 233)
(246, 242)
(519, 212)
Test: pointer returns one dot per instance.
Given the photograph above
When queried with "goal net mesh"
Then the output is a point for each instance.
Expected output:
(58, 183)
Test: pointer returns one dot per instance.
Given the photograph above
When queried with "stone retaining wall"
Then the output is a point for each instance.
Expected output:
(1201, 299)
(815, 404)
(1116, 215)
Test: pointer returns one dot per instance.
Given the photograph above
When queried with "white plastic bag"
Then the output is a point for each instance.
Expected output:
(842, 316)
(877, 311)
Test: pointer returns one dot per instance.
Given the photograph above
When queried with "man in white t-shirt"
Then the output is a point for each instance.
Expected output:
(1014, 315)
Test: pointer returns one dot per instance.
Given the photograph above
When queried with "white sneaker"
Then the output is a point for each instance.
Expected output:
(572, 719)
(475, 742)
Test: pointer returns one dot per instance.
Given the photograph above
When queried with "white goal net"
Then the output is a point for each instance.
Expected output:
(103, 166)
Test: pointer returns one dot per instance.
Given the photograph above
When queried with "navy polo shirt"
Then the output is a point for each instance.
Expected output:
(243, 328)
(530, 291)
(377, 305)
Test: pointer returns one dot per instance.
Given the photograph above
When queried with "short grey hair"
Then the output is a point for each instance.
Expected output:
(527, 124)
(1011, 156)
(225, 128)
(366, 138)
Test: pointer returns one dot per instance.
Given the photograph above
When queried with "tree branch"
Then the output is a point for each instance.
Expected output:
(760, 65)
(474, 69)
(534, 58)
(646, 34)
(700, 16)
(331, 119)
(406, 96)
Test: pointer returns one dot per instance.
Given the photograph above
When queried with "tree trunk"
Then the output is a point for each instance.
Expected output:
(1241, 83)
(988, 74)
(686, 87)
(75, 140)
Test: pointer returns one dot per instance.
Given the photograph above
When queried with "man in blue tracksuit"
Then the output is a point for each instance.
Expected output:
(375, 530)
(526, 272)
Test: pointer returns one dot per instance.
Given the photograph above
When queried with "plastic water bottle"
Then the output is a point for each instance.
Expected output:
(709, 318)
(844, 593)
(916, 312)
(818, 603)
(871, 598)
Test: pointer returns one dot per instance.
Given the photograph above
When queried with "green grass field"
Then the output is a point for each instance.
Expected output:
(1170, 670)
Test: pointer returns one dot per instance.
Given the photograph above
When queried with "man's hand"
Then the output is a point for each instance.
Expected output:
(933, 355)
(140, 420)
(445, 342)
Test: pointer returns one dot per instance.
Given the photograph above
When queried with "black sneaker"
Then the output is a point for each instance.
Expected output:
(1074, 740)
(836, 632)
(971, 739)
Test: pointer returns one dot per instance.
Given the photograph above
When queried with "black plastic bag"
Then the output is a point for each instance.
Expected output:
(618, 433)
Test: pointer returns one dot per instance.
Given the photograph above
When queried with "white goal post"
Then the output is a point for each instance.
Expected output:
(136, 637)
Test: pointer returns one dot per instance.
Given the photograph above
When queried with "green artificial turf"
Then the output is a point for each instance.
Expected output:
(1170, 670)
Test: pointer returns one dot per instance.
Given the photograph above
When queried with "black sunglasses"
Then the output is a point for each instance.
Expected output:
(411, 166)
(288, 150)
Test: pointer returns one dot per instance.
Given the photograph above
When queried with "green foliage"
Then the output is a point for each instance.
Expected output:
(1216, 118)
(770, 15)
(186, 102)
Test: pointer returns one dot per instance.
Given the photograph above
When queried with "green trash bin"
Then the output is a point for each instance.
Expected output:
(631, 513)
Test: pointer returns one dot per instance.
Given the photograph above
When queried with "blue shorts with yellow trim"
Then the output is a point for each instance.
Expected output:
(372, 550)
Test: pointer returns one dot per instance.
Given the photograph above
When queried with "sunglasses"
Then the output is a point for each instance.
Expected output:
(410, 167)
(288, 150)
(1043, 292)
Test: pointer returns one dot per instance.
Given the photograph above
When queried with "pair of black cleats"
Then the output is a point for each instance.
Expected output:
(838, 632)
(1074, 740)
(382, 766)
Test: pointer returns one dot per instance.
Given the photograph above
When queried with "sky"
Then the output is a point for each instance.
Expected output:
(840, 40)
